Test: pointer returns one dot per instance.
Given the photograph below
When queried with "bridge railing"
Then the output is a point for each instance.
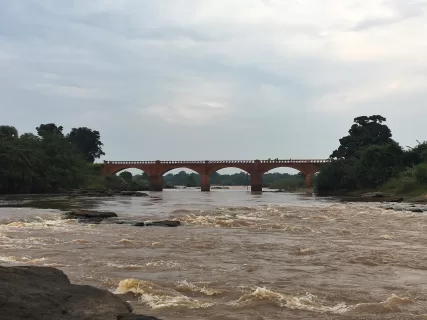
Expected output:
(290, 161)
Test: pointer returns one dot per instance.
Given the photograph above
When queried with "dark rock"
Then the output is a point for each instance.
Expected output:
(394, 199)
(40, 293)
(416, 210)
(88, 214)
(138, 224)
(163, 223)
(90, 220)
(135, 317)
(128, 193)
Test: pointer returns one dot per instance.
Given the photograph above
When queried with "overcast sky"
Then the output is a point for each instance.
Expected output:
(214, 79)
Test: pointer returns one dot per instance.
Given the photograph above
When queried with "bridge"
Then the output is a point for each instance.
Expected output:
(255, 168)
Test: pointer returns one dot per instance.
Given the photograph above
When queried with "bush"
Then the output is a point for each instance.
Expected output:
(421, 173)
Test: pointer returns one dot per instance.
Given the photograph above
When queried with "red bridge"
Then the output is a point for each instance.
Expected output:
(256, 168)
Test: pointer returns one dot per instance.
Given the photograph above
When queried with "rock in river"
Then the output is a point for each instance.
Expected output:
(163, 223)
(40, 293)
(88, 214)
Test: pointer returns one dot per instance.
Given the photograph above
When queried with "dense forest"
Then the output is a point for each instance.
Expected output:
(369, 159)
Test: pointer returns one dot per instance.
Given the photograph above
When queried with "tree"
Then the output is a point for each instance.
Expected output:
(377, 164)
(47, 129)
(191, 181)
(126, 175)
(29, 136)
(416, 155)
(339, 175)
(88, 142)
(364, 132)
(8, 132)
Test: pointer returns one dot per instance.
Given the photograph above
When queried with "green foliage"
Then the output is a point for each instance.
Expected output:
(42, 164)
(191, 180)
(420, 173)
(49, 129)
(368, 159)
(378, 163)
(364, 132)
(293, 182)
(337, 176)
(88, 142)
(126, 175)
(416, 155)
(8, 133)
(404, 183)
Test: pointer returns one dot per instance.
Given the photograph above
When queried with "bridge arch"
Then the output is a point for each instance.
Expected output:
(181, 178)
(221, 167)
(123, 167)
(307, 170)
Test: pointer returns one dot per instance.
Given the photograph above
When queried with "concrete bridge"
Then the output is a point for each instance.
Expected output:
(255, 168)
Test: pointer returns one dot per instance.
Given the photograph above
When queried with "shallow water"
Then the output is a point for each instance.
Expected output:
(237, 256)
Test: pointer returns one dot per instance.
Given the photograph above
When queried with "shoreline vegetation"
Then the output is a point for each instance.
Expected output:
(367, 160)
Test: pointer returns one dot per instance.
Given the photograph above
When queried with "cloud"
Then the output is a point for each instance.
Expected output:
(251, 77)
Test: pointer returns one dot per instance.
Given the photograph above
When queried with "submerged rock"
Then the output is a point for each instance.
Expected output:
(163, 223)
(40, 293)
(135, 317)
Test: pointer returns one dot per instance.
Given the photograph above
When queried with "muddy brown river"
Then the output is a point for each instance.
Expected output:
(236, 256)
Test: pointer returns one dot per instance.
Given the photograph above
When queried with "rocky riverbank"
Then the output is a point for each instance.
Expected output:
(390, 201)
(41, 293)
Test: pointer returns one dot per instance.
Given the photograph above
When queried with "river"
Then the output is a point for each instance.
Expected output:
(237, 255)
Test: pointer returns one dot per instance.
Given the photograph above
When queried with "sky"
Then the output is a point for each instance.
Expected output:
(214, 80)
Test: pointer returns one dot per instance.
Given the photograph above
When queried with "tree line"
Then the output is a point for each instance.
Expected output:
(369, 159)
(49, 161)
(52, 161)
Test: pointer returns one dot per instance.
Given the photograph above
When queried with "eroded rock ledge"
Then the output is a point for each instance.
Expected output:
(41, 293)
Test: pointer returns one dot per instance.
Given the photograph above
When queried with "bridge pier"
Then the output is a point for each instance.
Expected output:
(256, 182)
(156, 182)
(308, 180)
(205, 184)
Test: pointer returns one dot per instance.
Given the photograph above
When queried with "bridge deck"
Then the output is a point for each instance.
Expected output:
(279, 161)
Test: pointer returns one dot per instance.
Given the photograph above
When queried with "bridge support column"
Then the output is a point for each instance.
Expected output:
(156, 182)
(205, 184)
(308, 180)
(256, 182)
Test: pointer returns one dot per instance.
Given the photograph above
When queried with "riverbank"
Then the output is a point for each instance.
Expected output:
(46, 293)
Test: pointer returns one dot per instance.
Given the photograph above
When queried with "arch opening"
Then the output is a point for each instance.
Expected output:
(181, 178)
(229, 177)
(284, 179)
(131, 179)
